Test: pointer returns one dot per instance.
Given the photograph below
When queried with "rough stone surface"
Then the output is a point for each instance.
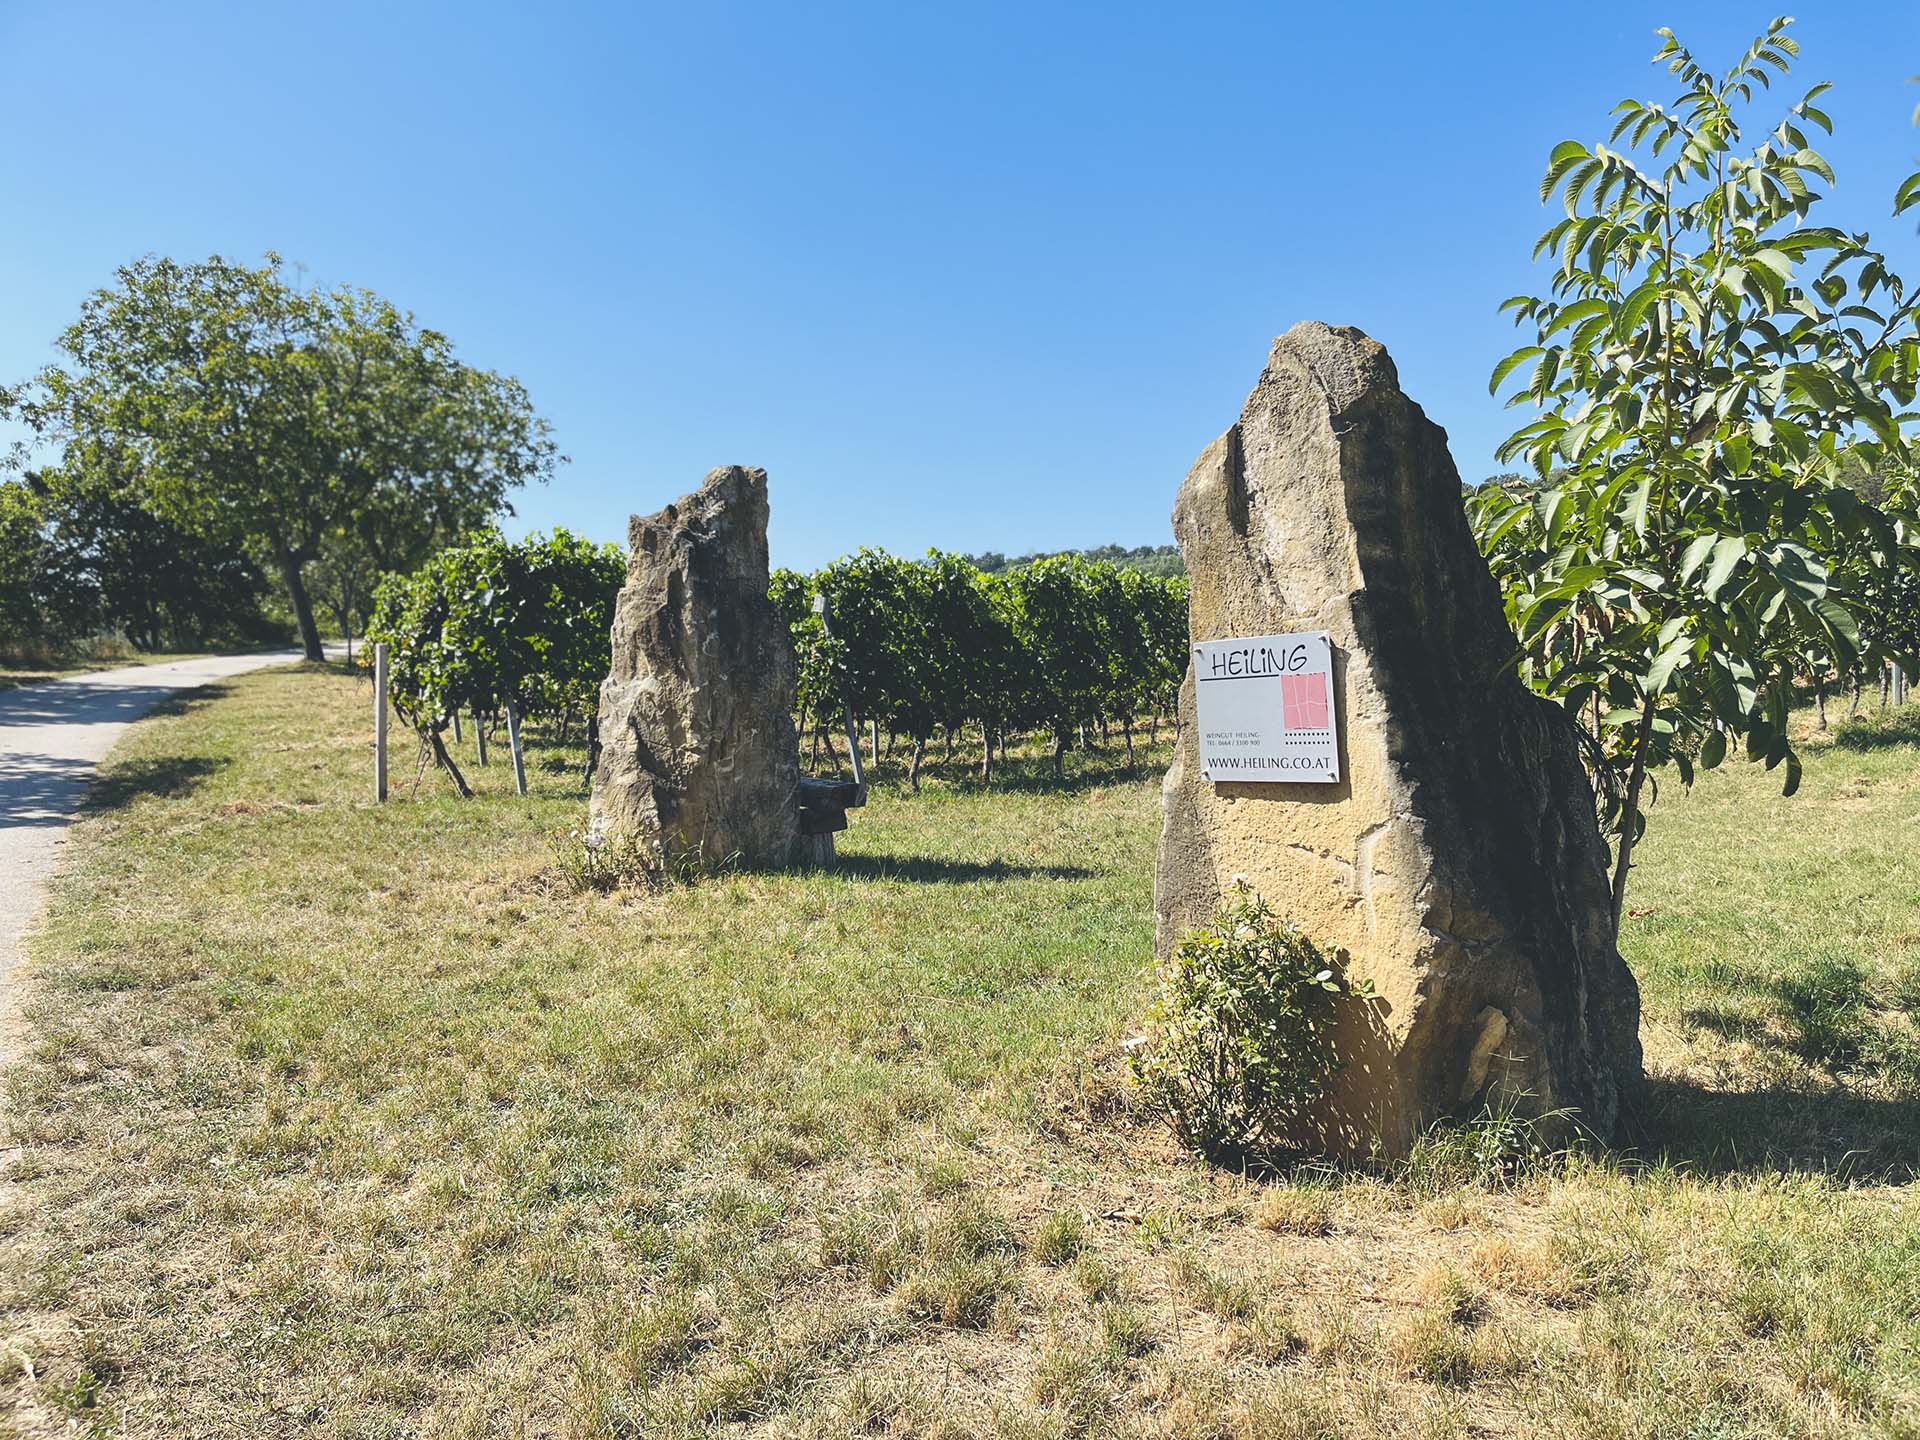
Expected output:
(701, 760)
(1458, 864)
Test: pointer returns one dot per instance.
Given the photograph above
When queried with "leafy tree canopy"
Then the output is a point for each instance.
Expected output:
(1707, 369)
(268, 417)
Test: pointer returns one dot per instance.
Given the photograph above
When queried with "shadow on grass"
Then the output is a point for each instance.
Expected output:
(1879, 731)
(167, 778)
(1013, 777)
(931, 870)
(1727, 1024)
(1817, 1131)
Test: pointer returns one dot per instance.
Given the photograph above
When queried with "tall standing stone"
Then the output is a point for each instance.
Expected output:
(1457, 864)
(701, 760)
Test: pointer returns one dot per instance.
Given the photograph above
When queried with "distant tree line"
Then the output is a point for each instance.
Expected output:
(1153, 559)
(1059, 645)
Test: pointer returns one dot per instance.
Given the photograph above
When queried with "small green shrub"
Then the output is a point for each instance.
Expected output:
(598, 862)
(1492, 1150)
(1240, 1039)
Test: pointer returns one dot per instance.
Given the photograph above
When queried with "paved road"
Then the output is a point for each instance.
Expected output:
(52, 736)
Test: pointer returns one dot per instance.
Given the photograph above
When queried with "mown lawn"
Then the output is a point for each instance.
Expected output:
(351, 1121)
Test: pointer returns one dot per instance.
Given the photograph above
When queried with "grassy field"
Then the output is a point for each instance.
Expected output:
(351, 1121)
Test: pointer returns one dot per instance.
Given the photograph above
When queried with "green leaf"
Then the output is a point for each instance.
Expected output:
(1665, 663)
(1513, 362)
(1838, 620)
(1634, 308)
(1728, 551)
(1636, 510)
(1696, 553)
(1908, 195)
(1796, 567)
(1713, 749)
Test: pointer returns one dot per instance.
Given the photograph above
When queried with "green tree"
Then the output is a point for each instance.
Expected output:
(37, 617)
(129, 569)
(268, 417)
(1706, 364)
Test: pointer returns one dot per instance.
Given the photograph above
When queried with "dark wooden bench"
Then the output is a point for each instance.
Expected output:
(824, 804)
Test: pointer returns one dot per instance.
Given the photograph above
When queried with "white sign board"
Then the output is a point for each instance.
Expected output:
(1266, 709)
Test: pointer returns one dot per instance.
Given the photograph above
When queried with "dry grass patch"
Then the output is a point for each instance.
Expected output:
(341, 1121)
(1294, 1210)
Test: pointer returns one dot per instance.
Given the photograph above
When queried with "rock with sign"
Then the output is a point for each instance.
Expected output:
(1450, 853)
(701, 760)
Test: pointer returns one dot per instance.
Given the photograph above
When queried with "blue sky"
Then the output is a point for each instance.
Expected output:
(975, 276)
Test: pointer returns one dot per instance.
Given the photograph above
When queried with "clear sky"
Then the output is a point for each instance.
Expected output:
(981, 276)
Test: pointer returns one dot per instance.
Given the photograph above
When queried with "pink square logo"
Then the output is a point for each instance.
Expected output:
(1304, 698)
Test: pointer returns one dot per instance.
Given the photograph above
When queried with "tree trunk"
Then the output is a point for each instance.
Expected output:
(1820, 699)
(986, 752)
(1854, 709)
(1630, 811)
(1126, 728)
(1061, 734)
(948, 729)
(303, 613)
(913, 764)
(445, 761)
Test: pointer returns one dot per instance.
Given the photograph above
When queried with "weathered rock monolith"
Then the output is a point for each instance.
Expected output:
(701, 760)
(1457, 864)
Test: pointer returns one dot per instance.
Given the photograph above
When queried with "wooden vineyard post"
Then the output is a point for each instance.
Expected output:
(480, 734)
(456, 724)
(380, 722)
(513, 742)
